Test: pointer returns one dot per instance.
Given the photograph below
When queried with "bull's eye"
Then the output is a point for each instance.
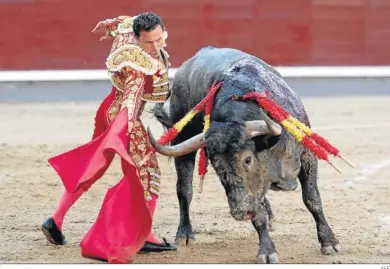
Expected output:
(248, 161)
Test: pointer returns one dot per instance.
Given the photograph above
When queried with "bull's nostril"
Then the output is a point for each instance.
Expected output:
(250, 215)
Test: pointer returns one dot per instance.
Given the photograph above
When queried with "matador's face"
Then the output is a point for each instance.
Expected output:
(152, 41)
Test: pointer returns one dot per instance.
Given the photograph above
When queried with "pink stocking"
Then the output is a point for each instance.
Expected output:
(152, 208)
(66, 202)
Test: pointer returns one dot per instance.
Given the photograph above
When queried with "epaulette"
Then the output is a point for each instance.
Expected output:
(130, 55)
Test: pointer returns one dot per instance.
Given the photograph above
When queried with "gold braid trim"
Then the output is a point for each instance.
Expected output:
(130, 55)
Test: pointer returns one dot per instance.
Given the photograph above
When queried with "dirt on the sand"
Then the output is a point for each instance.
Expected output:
(356, 203)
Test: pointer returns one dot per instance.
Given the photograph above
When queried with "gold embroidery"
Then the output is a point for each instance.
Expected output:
(155, 175)
(138, 81)
(126, 26)
(137, 124)
(115, 106)
(154, 98)
(158, 81)
(132, 56)
(147, 195)
(125, 78)
(121, 40)
(134, 88)
(139, 147)
(117, 81)
(128, 65)
(161, 89)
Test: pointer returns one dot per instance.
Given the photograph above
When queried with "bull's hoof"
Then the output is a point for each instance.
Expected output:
(328, 250)
(268, 258)
(184, 240)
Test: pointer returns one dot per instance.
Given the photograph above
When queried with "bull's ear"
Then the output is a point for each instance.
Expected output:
(263, 142)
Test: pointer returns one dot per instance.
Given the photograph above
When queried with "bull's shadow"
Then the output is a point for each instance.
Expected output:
(250, 152)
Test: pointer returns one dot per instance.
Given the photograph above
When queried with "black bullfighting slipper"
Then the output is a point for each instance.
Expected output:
(52, 233)
(155, 247)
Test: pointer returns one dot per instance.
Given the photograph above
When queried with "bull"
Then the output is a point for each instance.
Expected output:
(249, 151)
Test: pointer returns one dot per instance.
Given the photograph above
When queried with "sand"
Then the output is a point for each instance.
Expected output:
(356, 203)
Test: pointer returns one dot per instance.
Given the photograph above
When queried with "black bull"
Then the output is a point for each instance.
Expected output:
(250, 152)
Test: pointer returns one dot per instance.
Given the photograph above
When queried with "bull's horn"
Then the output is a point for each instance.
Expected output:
(262, 127)
(253, 128)
(181, 149)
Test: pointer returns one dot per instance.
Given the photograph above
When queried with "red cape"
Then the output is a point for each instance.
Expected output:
(124, 221)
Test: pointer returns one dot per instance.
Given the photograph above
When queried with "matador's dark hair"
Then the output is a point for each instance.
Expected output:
(146, 21)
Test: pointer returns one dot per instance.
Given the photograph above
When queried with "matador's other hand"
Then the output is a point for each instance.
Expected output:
(106, 27)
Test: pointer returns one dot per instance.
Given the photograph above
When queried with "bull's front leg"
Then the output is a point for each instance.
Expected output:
(271, 215)
(184, 168)
(312, 199)
(267, 252)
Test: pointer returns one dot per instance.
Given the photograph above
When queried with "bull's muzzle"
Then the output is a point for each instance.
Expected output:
(242, 207)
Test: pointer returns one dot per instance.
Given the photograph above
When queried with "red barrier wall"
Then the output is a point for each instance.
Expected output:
(56, 34)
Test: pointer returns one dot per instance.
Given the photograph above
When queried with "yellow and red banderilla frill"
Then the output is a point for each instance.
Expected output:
(207, 104)
(311, 140)
(318, 145)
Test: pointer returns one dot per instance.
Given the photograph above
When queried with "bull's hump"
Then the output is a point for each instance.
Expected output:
(217, 58)
(262, 76)
(244, 71)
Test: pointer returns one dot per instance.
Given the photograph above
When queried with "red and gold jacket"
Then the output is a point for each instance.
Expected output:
(137, 76)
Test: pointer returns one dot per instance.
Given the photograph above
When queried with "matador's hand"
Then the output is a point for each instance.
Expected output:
(107, 28)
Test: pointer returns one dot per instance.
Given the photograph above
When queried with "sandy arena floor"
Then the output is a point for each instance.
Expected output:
(356, 203)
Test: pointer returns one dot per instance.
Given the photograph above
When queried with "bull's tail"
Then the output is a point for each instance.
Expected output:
(162, 116)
